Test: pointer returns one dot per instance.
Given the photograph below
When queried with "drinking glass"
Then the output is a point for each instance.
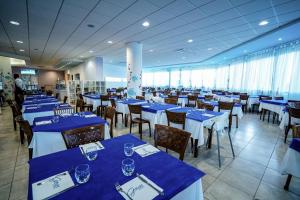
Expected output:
(128, 166)
(128, 149)
(55, 119)
(91, 153)
(81, 114)
(82, 173)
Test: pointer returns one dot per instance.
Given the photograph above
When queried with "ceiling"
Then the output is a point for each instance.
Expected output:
(55, 30)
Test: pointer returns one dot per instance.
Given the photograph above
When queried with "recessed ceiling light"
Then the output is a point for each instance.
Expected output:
(151, 50)
(146, 24)
(19, 41)
(21, 50)
(190, 41)
(209, 49)
(263, 23)
(109, 42)
(91, 51)
(14, 23)
(280, 39)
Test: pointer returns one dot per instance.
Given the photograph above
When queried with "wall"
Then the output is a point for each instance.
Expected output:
(115, 71)
(92, 69)
(6, 77)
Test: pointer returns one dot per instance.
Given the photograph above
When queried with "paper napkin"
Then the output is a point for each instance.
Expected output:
(31, 108)
(89, 116)
(85, 147)
(138, 189)
(208, 115)
(43, 122)
(48, 187)
(145, 150)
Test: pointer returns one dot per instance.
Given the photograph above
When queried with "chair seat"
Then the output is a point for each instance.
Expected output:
(139, 120)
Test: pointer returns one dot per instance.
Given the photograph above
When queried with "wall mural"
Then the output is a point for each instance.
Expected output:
(134, 83)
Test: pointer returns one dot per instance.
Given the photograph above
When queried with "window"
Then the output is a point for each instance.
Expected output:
(222, 76)
(185, 78)
(235, 76)
(175, 78)
(147, 79)
(161, 79)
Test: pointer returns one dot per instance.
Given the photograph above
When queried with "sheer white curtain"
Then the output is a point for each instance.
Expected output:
(175, 78)
(221, 77)
(236, 76)
(186, 78)
(147, 79)
(196, 78)
(161, 79)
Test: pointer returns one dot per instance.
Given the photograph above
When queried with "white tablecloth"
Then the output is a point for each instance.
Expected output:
(235, 111)
(193, 192)
(252, 100)
(44, 143)
(285, 120)
(30, 116)
(95, 102)
(272, 107)
(123, 108)
(290, 163)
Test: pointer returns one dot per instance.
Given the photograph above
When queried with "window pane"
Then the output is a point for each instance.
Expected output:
(185, 78)
(161, 79)
(175, 78)
(147, 79)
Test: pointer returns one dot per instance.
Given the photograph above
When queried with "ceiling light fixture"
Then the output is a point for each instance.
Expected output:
(190, 41)
(151, 50)
(279, 39)
(209, 49)
(109, 42)
(14, 23)
(21, 50)
(263, 23)
(91, 51)
(19, 41)
(146, 24)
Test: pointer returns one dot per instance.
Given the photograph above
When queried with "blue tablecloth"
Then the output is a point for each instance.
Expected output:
(154, 107)
(66, 123)
(216, 103)
(39, 101)
(166, 171)
(44, 108)
(275, 102)
(197, 115)
(130, 101)
(39, 97)
(295, 144)
(92, 96)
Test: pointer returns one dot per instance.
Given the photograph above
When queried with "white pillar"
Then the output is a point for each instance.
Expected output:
(134, 69)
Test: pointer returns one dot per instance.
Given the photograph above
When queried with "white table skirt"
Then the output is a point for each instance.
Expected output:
(272, 107)
(24, 106)
(285, 120)
(290, 163)
(235, 111)
(193, 192)
(30, 116)
(44, 143)
(196, 128)
(252, 100)
(123, 108)
(95, 102)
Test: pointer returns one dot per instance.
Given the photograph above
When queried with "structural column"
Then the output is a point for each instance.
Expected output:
(134, 69)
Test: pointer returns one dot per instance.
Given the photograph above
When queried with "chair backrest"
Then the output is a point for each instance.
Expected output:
(171, 101)
(193, 99)
(15, 109)
(244, 97)
(154, 94)
(278, 98)
(104, 98)
(113, 103)
(171, 138)
(79, 136)
(79, 103)
(140, 97)
(293, 112)
(143, 94)
(59, 111)
(80, 97)
(266, 98)
(176, 118)
(208, 97)
(226, 106)
(135, 109)
(65, 99)
(206, 106)
(236, 93)
(109, 113)
(296, 131)
(56, 95)
(26, 128)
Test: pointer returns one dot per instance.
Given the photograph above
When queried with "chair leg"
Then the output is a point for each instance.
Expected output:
(192, 143)
(261, 114)
(126, 120)
(209, 139)
(130, 127)
(218, 142)
(269, 113)
(116, 119)
(237, 121)
(196, 148)
(22, 136)
(287, 183)
(140, 130)
(229, 136)
(15, 124)
(149, 129)
(286, 133)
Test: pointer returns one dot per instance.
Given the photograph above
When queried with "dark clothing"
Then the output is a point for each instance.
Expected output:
(19, 96)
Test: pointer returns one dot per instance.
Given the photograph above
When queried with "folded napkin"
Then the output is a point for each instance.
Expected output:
(146, 106)
(31, 108)
(85, 147)
(43, 122)
(65, 114)
(89, 116)
(140, 188)
(208, 115)
(63, 105)
(49, 187)
(145, 150)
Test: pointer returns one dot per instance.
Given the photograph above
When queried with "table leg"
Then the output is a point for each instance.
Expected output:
(126, 120)
(287, 183)
(196, 148)
(219, 156)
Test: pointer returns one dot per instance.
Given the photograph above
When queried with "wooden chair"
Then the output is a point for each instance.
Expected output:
(140, 97)
(65, 99)
(208, 97)
(171, 138)
(137, 110)
(56, 95)
(171, 101)
(206, 106)
(84, 135)
(82, 105)
(227, 106)
(293, 113)
(176, 118)
(25, 128)
(16, 111)
(104, 99)
(278, 98)
(109, 113)
(113, 104)
(192, 101)
(59, 111)
(244, 101)
(154, 94)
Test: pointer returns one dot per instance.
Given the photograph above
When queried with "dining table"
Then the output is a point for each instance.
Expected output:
(276, 106)
(47, 133)
(177, 179)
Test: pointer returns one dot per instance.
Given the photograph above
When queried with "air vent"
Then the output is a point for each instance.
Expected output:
(68, 63)
(180, 50)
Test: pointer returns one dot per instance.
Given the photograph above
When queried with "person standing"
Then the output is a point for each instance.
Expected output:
(19, 90)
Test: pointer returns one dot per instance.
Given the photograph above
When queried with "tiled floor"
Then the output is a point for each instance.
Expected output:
(253, 174)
